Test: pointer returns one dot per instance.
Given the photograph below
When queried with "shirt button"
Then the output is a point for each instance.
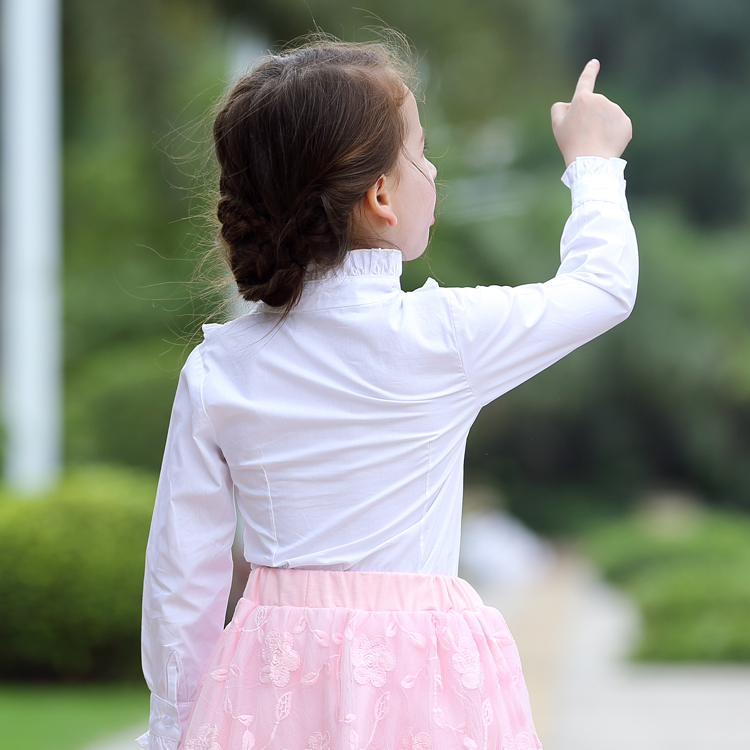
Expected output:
(168, 721)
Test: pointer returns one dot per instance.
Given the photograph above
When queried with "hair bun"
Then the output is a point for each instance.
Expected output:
(284, 286)
(265, 266)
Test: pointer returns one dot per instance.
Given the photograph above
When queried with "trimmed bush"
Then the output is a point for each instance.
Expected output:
(689, 576)
(71, 574)
(694, 612)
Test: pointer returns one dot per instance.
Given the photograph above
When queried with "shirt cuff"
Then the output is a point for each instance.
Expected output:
(592, 178)
(167, 723)
(152, 742)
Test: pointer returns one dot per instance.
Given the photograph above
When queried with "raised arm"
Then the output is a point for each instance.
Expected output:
(505, 335)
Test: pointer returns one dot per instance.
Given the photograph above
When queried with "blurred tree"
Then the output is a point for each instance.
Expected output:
(473, 55)
(662, 400)
(681, 70)
(139, 77)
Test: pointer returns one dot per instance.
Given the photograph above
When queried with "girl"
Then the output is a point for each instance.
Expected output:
(335, 414)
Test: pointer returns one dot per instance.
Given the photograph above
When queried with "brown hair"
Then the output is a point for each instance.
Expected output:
(299, 142)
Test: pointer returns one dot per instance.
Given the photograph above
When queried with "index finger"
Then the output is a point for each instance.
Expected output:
(588, 78)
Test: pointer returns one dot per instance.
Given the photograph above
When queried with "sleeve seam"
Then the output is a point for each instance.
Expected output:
(458, 350)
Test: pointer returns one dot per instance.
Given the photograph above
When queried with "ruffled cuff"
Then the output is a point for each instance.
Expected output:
(592, 178)
(154, 742)
(167, 723)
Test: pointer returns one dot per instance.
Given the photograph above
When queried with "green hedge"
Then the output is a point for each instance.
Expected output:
(71, 572)
(689, 576)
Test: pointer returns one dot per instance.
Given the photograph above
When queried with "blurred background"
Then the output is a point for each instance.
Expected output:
(628, 459)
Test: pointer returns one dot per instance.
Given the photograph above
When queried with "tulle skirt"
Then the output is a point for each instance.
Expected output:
(344, 660)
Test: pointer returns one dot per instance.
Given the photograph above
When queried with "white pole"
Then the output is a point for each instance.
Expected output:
(30, 371)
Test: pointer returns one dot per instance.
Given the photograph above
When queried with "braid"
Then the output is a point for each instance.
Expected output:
(261, 265)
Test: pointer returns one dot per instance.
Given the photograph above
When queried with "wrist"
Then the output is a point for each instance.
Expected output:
(596, 178)
(591, 153)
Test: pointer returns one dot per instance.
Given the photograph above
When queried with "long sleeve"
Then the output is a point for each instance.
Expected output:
(506, 335)
(188, 563)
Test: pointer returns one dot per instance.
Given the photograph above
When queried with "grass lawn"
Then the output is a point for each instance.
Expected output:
(67, 717)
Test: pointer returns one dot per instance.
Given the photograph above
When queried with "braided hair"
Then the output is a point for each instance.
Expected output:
(299, 142)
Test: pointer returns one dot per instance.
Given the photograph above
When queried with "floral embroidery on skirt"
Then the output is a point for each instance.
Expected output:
(289, 677)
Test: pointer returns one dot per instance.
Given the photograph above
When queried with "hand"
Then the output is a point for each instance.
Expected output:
(590, 125)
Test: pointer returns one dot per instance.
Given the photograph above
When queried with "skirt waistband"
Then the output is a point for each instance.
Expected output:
(363, 590)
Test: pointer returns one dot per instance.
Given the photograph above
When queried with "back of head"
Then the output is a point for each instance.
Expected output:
(299, 141)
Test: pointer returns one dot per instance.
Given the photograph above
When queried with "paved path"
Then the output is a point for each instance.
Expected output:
(573, 633)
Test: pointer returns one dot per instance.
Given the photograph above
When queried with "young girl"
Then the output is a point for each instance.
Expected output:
(335, 414)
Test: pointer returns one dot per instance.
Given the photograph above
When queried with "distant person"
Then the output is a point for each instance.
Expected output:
(335, 414)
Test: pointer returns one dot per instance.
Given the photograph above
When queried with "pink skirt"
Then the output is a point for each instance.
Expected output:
(345, 660)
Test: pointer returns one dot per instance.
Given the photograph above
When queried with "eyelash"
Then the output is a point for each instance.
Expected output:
(425, 147)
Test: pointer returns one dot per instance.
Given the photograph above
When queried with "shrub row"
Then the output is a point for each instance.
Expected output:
(689, 576)
(71, 573)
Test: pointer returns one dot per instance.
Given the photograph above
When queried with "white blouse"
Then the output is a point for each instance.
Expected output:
(340, 432)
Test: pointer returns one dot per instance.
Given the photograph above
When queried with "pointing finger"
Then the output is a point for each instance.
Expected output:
(587, 80)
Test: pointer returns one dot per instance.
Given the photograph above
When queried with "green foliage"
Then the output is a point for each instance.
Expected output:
(696, 613)
(71, 574)
(119, 402)
(139, 80)
(689, 573)
(662, 400)
(68, 717)
(140, 83)
(479, 60)
(681, 71)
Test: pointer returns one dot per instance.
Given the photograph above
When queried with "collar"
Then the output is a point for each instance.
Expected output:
(362, 277)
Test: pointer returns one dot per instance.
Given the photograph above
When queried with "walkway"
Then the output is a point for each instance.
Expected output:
(573, 633)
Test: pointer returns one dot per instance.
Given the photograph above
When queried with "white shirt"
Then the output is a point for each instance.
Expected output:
(340, 431)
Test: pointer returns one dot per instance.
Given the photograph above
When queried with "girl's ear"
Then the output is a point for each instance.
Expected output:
(377, 203)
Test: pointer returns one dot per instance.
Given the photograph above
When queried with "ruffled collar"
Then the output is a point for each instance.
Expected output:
(363, 276)
(371, 262)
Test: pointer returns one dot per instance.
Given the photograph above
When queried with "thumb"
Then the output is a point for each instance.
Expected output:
(558, 112)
